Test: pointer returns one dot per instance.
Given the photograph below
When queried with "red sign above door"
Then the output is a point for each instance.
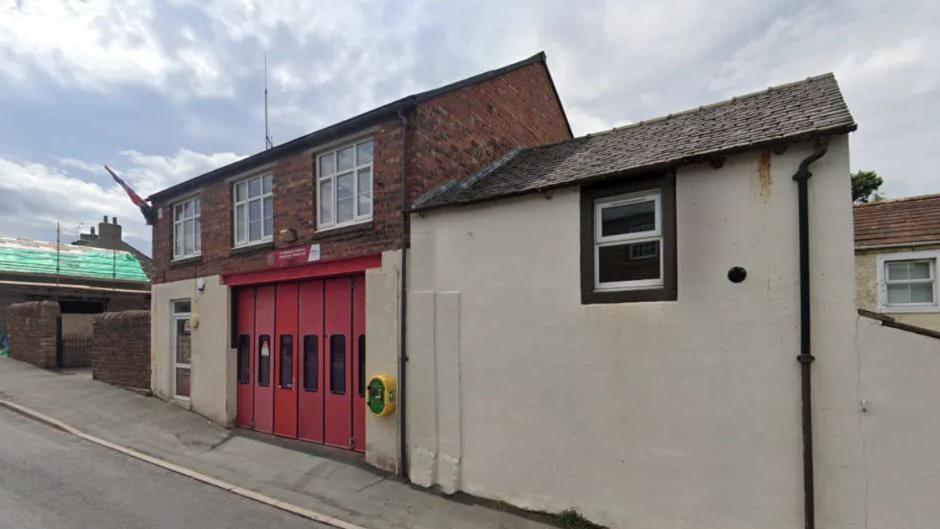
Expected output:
(297, 255)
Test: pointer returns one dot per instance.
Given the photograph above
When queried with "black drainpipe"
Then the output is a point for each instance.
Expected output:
(403, 357)
(806, 356)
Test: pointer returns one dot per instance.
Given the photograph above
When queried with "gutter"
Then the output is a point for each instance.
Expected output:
(913, 245)
(806, 357)
(403, 314)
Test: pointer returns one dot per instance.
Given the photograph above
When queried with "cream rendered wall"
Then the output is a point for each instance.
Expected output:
(656, 415)
(383, 326)
(213, 361)
(900, 381)
(866, 285)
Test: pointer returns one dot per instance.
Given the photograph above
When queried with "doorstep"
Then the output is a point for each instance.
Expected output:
(309, 480)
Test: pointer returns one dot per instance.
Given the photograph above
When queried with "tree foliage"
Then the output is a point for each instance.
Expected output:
(865, 186)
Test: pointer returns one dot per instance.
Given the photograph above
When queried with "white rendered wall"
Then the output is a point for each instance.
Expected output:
(657, 415)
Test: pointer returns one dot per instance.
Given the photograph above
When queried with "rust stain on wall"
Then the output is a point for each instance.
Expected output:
(763, 176)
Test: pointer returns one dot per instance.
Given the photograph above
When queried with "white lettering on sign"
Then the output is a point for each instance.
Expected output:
(314, 254)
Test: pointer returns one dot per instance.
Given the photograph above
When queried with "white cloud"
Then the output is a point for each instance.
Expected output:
(86, 43)
(34, 196)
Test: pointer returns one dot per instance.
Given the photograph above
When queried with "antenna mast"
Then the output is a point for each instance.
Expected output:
(268, 143)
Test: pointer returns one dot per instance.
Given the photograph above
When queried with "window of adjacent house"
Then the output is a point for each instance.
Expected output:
(344, 185)
(254, 210)
(909, 281)
(187, 232)
(628, 241)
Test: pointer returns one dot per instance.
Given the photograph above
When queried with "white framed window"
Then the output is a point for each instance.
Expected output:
(907, 282)
(253, 210)
(182, 349)
(628, 242)
(344, 185)
(187, 229)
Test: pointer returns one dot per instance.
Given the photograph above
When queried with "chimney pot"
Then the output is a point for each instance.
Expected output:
(113, 220)
(92, 230)
(105, 219)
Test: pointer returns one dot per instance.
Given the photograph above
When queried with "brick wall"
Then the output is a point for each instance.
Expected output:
(451, 136)
(121, 348)
(459, 132)
(33, 332)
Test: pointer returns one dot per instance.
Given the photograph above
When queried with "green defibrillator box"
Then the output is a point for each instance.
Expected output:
(381, 395)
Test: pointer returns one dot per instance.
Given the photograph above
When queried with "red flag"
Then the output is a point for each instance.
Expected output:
(145, 208)
(135, 198)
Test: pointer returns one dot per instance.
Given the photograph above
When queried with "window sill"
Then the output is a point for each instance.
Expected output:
(249, 248)
(628, 296)
(324, 233)
(186, 261)
(910, 309)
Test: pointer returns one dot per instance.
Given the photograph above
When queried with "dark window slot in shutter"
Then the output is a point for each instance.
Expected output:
(264, 360)
(338, 364)
(311, 359)
(286, 368)
(244, 352)
(362, 365)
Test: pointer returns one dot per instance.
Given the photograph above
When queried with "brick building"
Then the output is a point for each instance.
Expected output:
(270, 272)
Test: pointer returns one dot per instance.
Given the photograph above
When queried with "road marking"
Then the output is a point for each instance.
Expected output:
(172, 467)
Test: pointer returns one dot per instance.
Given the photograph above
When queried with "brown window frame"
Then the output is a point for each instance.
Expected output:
(665, 183)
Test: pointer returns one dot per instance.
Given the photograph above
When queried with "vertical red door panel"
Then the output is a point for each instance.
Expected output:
(338, 362)
(285, 361)
(264, 350)
(310, 362)
(245, 372)
(359, 363)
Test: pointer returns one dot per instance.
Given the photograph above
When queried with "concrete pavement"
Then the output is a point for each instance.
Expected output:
(52, 480)
(289, 472)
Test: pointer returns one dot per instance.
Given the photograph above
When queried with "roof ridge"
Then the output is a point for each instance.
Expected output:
(355, 122)
(733, 99)
(899, 199)
(466, 181)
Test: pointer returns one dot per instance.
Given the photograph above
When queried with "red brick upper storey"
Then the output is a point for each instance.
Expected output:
(900, 222)
(450, 133)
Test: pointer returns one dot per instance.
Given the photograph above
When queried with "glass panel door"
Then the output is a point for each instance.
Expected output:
(182, 355)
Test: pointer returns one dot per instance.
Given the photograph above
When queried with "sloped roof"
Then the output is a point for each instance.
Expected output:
(787, 112)
(353, 124)
(24, 256)
(901, 221)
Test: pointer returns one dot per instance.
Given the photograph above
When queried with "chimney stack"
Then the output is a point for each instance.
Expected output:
(109, 233)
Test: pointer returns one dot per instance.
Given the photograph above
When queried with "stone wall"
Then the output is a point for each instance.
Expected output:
(33, 331)
(121, 348)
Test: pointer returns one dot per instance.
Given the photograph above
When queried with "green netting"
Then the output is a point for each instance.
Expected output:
(74, 261)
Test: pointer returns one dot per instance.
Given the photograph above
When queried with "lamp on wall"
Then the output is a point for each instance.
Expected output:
(288, 235)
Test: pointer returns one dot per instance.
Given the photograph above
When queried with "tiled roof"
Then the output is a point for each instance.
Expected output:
(898, 222)
(351, 126)
(25, 256)
(784, 113)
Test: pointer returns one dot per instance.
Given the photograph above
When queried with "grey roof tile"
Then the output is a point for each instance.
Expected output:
(784, 113)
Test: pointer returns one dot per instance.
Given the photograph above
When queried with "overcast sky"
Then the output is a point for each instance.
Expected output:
(164, 91)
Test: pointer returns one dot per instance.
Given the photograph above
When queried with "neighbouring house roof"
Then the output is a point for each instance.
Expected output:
(898, 222)
(24, 256)
(353, 124)
(784, 113)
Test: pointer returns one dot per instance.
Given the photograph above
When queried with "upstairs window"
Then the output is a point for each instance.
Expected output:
(187, 229)
(628, 241)
(908, 281)
(254, 211)
(344, 185)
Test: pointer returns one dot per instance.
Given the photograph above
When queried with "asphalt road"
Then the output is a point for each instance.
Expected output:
(50, 479)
